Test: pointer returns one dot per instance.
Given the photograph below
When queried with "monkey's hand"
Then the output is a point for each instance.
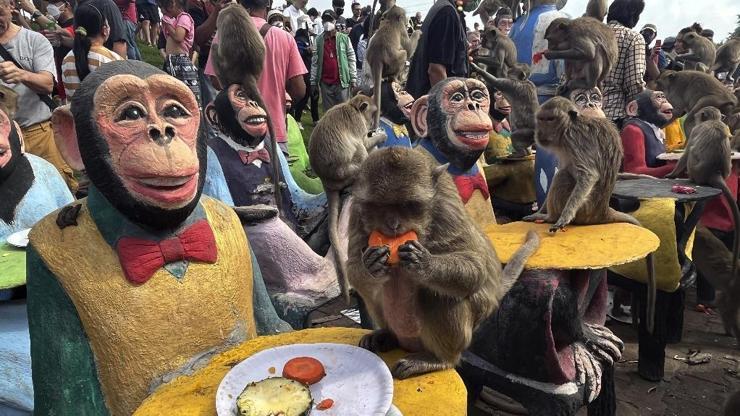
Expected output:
(588, 370)
(413, 255)
(559, 225)
(375, 260)
(602, 343)
(375, 138)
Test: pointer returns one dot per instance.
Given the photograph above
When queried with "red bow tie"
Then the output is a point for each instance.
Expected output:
(467, 184)
(141, 258)
(249, 157)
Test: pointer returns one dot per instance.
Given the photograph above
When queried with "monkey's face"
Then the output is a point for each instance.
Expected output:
(501, 104)
(553, 119)
(404, 100)
(249, 114)
(557, 34)
(662, 106)
(465, 104)
(588, 101)
(151, 129)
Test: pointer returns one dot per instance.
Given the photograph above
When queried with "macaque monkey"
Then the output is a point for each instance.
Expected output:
(445, 280)
(597, 9)
(588, 47)
(339, 144)
(589, 152)
(702, 51)
(388, 50)
(522, 94)
(691, 91)
(238, 58)
(501, 53)
(728, 58)
(707, 160)
(715, 262)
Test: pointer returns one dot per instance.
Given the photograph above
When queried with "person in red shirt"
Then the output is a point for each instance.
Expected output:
(333, 66)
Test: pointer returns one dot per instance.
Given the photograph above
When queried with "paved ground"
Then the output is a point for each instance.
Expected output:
(698, 390)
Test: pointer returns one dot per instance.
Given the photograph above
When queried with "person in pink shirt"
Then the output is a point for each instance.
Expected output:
(178, 29)
(283, 70)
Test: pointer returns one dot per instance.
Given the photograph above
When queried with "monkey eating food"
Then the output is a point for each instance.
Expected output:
(388, 50)
(702, 52)
(589, 152)
(522, 95)
(447, 279)
(707, 162)
(588, 47)
(339, 144)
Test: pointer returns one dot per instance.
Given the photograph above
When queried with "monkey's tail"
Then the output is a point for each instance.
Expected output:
(516, 264)
(377, 73)
(720, 183)
(629, 176)
(335, 202)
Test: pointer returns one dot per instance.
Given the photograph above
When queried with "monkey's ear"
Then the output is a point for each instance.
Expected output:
(632, 107)
(65, 136)
(419, 115)
(573, 114)
(363, 106)
(211, 115)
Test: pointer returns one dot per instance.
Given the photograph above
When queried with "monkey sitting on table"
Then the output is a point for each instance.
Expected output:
(589, 154)
(430, 293)
(454, 125)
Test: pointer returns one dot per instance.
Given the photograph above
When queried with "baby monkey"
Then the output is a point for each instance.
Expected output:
(589, 152)
(430, 293)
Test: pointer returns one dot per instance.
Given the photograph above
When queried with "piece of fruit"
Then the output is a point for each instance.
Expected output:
(325, 404)
(306, 370)
(377, 239)
(274, 396)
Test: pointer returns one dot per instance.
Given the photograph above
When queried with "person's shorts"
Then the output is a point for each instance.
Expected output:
(148, 12)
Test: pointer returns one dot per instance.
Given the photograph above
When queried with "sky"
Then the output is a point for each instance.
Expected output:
(668, 16)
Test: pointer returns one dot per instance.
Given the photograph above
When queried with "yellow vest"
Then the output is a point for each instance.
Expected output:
(144, 335)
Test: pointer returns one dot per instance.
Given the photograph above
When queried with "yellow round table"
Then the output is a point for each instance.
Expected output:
(439, 393)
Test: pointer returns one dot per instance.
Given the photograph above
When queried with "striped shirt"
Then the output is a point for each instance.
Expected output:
(97, 56)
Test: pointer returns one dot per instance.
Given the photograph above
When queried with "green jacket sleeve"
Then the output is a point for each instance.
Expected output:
(65, 380)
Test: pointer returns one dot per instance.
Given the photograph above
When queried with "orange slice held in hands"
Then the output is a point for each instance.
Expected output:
(304, 370)
(377, 239)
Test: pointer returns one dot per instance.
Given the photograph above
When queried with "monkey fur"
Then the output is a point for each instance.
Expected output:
(589, 152)
(388, 50)
(339, 144)
(702, 52)
(714, 261)
(446, 282)
(501, 55)
(522, 95)
(728, 58)
(238, 58)
(707, 161)
(588, 47)
(597, 9)
(690, 91)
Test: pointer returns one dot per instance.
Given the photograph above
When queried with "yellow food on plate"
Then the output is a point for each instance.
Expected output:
(274, 396)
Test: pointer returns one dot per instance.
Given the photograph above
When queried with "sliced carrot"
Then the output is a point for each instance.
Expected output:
(325, 404)
(377, 239)
(304, 370)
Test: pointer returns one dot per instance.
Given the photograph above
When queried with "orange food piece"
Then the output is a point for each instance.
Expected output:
(325, 404)
(306, 370)
(377, 239)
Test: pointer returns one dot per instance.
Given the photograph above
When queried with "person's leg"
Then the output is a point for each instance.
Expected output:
(297, 110)
(145, 32)
(325, 99)
(133, 49)
(343, 94)
(315, 110)
(39, 140)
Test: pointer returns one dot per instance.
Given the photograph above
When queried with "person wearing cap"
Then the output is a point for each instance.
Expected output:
(339, 21)
(275, 18)
(295, 12)
(655, 58)
(333, 66)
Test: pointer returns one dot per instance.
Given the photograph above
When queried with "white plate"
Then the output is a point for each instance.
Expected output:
(357, 380)
(19, 239)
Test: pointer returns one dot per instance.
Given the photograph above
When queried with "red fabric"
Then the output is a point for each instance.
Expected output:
(717, 213)
(467, 184)
(330, 68)
(249, 157)
(141, 258)
(633, 141)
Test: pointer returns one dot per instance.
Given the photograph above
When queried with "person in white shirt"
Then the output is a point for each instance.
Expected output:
(294, 12)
